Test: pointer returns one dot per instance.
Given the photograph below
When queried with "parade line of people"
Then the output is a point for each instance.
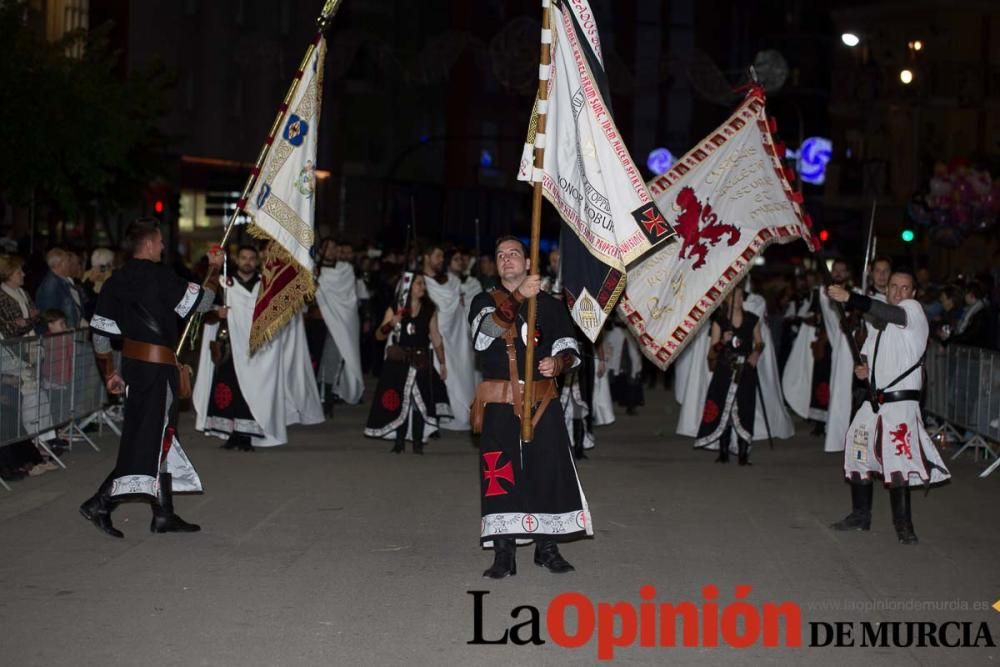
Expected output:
(452, 350)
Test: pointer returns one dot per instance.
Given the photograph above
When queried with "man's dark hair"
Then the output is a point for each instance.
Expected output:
(247, 246)
(882, 258)
(504, 239)
(137, 232)
(906, 271)
(840, 260)
(431, 247)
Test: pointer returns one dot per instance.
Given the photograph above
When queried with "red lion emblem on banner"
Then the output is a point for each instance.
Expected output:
(689, 227)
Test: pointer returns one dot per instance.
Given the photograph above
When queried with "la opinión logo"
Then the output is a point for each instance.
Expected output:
(738, 624)
(704, 624)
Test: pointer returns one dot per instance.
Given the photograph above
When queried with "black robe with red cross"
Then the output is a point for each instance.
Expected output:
(527, 490)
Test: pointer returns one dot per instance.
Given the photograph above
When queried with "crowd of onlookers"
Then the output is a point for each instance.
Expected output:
(38, 304)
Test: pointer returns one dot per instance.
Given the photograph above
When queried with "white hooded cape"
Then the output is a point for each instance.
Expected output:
(337, 298)
(453, 324)
(277, 382)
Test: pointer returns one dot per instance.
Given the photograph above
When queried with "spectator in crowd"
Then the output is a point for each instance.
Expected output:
(974, 327)
(18, 314)
(486, 271)
(101, 264)
(58, 291)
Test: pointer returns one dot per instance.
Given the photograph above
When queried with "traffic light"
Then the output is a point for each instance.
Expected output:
(907, 235)
(158, 206)
(824, 235)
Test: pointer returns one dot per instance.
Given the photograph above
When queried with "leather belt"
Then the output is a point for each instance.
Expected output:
(884, 397)
(148, 352)
(502, 392)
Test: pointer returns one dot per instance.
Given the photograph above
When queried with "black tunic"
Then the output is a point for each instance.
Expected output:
(732, 392)
(408, 380)
(142, 301)
(531, 490)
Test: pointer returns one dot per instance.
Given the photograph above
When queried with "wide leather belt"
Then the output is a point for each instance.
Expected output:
(502, 391)
(148, 352)
(884, 397)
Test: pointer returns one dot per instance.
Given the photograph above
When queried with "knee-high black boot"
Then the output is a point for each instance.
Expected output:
(899, 497)
(547, 555)
(97, 509)
(164, 519)
(578, 439)
(504, 561)
(860, 517)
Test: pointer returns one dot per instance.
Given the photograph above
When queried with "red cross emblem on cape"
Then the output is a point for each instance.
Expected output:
(491, 472)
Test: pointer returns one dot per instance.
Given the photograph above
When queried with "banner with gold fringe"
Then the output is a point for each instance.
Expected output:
(282, 204)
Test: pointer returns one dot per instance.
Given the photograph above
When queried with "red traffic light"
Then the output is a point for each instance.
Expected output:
(824, 235)
(158, 206)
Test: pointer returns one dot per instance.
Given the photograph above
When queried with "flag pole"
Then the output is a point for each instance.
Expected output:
(527, 430)
(330, 8)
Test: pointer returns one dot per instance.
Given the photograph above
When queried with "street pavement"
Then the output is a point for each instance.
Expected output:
(331, 551)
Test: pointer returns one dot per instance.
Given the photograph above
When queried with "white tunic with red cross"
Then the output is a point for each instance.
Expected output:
(893, 443)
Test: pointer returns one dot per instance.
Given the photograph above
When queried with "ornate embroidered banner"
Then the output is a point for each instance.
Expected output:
(727, 199)
(282, 206)
(588, 175)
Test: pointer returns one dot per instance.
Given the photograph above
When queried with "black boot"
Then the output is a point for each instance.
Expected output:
(400, 440)
(418, 431)
(547, 555)
(232, 442)
(578, 439)
(860, 517)
(328, 401)
(504, 562)
(164, 519)
(244, 443)
(899, 497)
(744, 452)
(97, 510)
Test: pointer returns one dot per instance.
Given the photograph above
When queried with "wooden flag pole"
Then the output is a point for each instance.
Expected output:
(527, 430)
(323, 22)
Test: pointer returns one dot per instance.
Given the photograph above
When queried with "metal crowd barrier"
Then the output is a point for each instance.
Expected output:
(50, 387)
(963, 394)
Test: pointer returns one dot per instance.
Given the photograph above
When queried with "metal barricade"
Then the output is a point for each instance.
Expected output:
(48, 384)
(963, 394)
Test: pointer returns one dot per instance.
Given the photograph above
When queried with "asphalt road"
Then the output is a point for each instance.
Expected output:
(331, 551)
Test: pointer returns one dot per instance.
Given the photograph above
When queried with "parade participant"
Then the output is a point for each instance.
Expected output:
(735, 346)
(881, 269)
(771, 418)
(624, 362)
(445, 290)
(250, 400)
(887, 438)
(410, 397)
(691, 379)
(338, 296)
(469, 286)
(528, 490)
(139, 304)
(841, 363)
(805, 381)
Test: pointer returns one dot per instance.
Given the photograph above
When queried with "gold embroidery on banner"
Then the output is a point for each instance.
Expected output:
(290, 221)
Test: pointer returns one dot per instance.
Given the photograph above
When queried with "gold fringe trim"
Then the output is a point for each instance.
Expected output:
(285, 305)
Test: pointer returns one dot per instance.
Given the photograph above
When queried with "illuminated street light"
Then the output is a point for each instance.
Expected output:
(906, 76)
(850, 39)
(916, 45)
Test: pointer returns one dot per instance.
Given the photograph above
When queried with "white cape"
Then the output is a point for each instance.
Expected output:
(695, 383)
(770, 381)
(337, 298)
(796, 381)
(841, 379)
(277, 382)
(453, 324)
